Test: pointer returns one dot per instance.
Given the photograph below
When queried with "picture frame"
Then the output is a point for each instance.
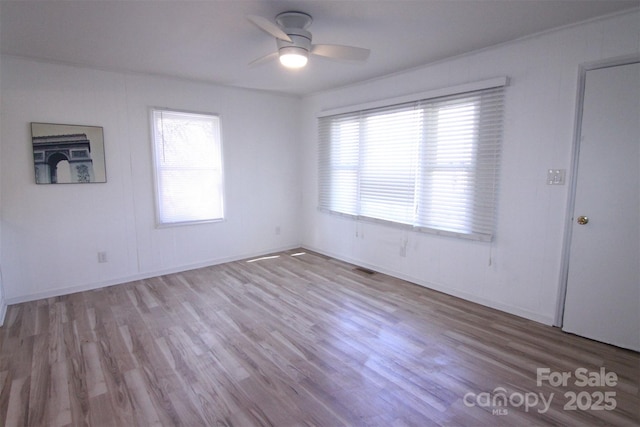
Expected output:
(68, 154)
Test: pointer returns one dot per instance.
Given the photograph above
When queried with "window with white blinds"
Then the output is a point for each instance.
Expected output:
(430, 164)
(188, 167)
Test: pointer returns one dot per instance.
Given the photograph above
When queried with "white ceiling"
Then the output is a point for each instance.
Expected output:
(213, 41)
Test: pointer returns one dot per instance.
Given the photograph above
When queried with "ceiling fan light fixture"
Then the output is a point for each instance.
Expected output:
(294, 41)
(293, 57)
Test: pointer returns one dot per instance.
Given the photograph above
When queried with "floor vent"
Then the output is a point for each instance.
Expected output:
(364, 270)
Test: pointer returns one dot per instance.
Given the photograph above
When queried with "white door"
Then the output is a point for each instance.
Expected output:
(603, 288)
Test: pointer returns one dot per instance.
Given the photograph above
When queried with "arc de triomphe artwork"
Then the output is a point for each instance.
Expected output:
(65, 154)
(49, 151)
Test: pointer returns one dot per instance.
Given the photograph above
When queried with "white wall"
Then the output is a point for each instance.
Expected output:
(520, 271)
(51, 234)
(3, 304)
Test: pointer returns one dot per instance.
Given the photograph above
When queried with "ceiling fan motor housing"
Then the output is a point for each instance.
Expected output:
(300, 39)
(295, 25)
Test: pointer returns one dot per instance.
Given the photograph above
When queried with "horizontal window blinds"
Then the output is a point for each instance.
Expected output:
(188, 166)
(431, 164)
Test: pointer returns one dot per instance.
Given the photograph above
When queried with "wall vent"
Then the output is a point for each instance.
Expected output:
(364, 270)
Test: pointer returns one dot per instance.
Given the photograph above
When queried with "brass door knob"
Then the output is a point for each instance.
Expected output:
(582, 220)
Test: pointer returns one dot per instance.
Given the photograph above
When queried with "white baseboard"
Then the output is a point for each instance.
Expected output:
(141, 276)
(517, 311)
(547, 320)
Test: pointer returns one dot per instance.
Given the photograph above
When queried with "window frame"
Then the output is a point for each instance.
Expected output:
(159, 222)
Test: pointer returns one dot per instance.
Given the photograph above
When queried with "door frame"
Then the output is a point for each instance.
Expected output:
(573, 173)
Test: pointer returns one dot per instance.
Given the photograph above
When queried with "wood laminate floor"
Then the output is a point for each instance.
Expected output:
(297, 340)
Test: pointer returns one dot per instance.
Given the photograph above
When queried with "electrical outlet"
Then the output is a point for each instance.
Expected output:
(555, 176)
(278, 230)
(102, 257)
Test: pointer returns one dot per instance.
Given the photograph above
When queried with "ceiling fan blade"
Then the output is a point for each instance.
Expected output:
(269, 27)
(336, 51)
(263, 59)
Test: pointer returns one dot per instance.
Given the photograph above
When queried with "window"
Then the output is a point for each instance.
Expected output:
(430, 164)
(188, 167)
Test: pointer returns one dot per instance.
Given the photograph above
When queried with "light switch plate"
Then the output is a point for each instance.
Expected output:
(556, 176)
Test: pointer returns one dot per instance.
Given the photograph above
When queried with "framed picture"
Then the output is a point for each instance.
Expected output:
(68, 154)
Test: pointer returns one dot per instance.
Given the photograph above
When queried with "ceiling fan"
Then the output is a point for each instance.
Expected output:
(294, 41)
